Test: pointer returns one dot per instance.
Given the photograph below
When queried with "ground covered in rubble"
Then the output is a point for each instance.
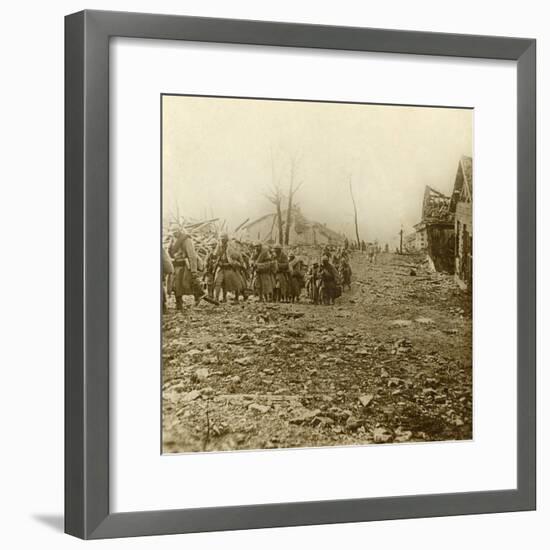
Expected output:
(390, 362)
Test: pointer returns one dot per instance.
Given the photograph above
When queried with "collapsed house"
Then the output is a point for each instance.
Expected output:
(435, 232)
(445, 230)
(461, 206)
(302, 231)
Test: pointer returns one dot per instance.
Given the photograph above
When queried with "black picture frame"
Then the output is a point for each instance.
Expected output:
(87, 477)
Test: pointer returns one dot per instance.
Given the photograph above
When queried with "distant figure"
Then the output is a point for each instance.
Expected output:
(330, 289)
(371, 253)
(363, 246)
(327, 252)
(345, 272)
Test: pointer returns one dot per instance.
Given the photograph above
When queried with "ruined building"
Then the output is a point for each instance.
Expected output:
(435, 231)
(302, 230)
(461, 207)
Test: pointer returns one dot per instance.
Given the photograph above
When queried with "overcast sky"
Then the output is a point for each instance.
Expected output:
(219, 155)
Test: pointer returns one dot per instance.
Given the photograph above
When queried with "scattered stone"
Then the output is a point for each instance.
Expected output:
(366, 400)
(402, 435)
(322, 421)
(403, 345)
(382, 435)
(424, 321)
(306, 416)
(292, 314)
(353, 423)
(345, 413)
(393, 382)
(202, 374)
(401, 323)
(191, 396)
(243, 360)
(258, 408)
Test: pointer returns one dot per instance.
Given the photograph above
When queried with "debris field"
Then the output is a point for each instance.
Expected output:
(391, 362)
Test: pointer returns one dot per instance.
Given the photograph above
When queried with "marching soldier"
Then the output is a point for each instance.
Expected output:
(228, 277)
(263, 281)
(282, 287)
(184, 259)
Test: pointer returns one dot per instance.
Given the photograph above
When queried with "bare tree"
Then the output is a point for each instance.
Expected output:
(275, 197)
(293, 188)
(355, 214)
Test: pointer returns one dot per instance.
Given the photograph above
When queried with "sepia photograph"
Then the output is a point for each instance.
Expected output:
(317, 262)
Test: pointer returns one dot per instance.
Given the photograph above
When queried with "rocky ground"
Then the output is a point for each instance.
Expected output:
(390, 362)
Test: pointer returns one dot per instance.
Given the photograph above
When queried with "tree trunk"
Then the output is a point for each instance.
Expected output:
(288, 216)
(280, 222)
(355, 213)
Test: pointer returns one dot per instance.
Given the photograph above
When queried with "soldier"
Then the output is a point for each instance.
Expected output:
(261, 265)
(184, 259)
(245, 270)
(345, 271)
(312, 283)
(330, 289)
(297, 281)
(371, 252)
(228, 277)
(209, 271)
(167, 270)
(282, 286)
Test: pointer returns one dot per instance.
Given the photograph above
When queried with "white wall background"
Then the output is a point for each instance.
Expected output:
(31, 287)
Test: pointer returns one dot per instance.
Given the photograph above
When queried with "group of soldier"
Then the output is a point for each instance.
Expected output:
(244, 269)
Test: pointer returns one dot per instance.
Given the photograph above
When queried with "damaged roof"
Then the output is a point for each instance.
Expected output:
(462, 191)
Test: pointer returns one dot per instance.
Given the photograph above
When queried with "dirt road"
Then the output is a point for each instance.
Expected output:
(390, 362)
